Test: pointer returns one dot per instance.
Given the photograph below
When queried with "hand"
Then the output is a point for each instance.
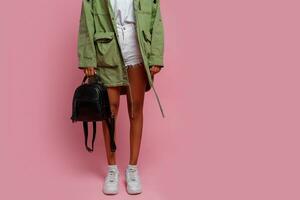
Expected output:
(155, 69)
(89, 71)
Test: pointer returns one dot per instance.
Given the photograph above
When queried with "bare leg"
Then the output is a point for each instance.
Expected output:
(137, 79)
(114, 101)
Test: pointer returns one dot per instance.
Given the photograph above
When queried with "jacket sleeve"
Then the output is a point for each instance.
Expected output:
(157, 43)
(85, 43)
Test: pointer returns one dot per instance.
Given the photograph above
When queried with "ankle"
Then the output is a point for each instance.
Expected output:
(130, 166)
(114, 166)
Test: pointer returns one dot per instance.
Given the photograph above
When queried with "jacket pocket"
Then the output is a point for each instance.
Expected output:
(106, 48)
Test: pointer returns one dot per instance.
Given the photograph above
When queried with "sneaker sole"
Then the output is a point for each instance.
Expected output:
(134, 193)
(109, 193)
(129, 191)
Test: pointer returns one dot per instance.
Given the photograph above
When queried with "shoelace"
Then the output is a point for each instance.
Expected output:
(133, 174)
(111, 177)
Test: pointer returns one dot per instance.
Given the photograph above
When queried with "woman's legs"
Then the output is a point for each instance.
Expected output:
(137, 78)
(114, 101)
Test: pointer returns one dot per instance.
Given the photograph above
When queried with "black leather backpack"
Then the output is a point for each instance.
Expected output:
(91, 104)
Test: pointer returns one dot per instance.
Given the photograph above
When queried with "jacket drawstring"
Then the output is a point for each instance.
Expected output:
(156, 95)
(159, 104)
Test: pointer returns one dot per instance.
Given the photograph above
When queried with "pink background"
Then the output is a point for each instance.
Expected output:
(230, 90)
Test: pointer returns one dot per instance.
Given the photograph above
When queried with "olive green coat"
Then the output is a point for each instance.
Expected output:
(98, 45)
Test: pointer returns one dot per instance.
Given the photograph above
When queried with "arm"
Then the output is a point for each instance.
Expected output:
(157, 43)
(85, 43)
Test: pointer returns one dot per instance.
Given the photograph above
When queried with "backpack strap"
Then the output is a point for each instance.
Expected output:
(111, 126)
(86, 132)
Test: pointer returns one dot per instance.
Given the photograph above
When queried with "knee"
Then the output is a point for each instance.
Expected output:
(137, 108)
(114, 107)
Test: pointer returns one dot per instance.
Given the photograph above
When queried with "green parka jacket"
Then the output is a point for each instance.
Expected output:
(98, 41)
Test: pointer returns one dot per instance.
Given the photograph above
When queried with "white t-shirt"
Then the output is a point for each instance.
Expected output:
(123, 10)
(125, 20)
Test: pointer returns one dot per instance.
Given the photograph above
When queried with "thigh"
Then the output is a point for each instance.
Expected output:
(137, 78)
(114, 98)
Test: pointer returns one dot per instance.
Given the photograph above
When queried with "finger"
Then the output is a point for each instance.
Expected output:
(89, 72)
(151, 71)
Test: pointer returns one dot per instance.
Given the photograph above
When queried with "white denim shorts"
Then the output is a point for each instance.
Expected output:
(129, 44)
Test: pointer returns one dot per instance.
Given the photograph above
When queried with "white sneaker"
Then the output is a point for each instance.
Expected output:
(111, 181)
(133, 181)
